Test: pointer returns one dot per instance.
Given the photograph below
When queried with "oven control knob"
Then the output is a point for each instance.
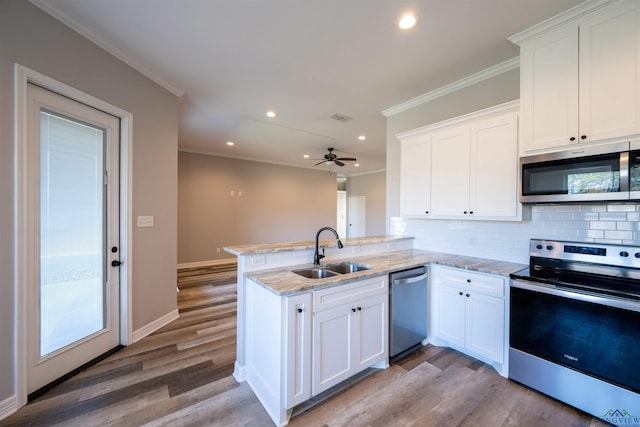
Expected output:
(538, 246)
(549, 247)
(624, 254)
(637, 255)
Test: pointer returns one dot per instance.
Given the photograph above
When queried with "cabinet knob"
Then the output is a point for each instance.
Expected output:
(468, 280)
(583, 137)
(465, 212)
(573, 138)
(353, 309)
(468, 295)
(471, 212)
(359, 308)
(299, 310)
(427, 212)
(460, 293)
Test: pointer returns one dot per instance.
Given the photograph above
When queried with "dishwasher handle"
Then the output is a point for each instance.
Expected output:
(406, 280)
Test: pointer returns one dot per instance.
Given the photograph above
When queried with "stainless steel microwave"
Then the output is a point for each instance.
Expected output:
(584, 174)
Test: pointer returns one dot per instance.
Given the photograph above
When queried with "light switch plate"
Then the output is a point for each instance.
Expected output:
(145, 221)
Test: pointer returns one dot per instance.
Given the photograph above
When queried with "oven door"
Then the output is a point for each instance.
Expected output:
(587, 333)
(584, 174)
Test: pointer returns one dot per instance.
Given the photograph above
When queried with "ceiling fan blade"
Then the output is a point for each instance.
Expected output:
(324, 161)
(338, 162)
(349, 159)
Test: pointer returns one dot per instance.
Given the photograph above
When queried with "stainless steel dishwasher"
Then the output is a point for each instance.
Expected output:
(408, 315)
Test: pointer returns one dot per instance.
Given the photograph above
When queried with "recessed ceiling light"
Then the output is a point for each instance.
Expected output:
(306, 156)
(362, 137)
(230, 143)
(357, 165)
(407, 21)
(271, 114)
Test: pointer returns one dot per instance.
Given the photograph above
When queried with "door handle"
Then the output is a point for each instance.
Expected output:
(115, 263)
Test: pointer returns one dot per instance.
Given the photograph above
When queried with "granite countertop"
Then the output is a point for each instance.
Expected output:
(283, 281)
(307, 244)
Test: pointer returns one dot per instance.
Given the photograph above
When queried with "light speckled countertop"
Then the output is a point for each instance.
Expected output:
(307, 244)
(283, 281)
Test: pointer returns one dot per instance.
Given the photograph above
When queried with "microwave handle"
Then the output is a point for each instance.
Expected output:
(624, 171)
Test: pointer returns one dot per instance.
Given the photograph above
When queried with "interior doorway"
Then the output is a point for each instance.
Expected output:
(356, 216)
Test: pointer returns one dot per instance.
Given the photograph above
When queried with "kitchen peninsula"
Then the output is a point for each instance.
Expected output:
(282, 315)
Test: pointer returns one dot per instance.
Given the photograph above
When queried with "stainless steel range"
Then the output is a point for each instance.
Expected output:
(575, 327)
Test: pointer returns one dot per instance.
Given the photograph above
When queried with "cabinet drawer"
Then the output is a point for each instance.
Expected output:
(345, 294)
(472, 281)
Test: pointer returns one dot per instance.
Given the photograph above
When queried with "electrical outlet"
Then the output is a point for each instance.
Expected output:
(218, 250)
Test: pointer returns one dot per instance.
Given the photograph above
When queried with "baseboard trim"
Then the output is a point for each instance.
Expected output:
(149, 328)
(8, 406)
(207, 263)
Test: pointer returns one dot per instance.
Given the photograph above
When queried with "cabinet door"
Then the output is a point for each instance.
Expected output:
(450, 150)
(549, 89)
(333, 331)
(494, 167)
(373, 327)
(484, 331)
(415, 175)
(298, 317)
(450, 314)
(610, 72)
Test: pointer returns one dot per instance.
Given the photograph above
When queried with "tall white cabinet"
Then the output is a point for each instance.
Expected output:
(466, 167)
(580, 79)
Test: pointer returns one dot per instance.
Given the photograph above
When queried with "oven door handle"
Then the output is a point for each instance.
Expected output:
(544, 288)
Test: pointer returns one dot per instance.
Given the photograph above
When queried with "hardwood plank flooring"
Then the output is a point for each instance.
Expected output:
(181, 376)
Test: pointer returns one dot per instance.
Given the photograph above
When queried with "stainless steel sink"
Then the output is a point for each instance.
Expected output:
(315, 273)
(347, 267)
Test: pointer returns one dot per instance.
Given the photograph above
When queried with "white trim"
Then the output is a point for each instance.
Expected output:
(471, 80)
(87, 33)
(212, 262)
(575, 12)
(23, 76)
(8, 406)
(150, 328)
(500, 108)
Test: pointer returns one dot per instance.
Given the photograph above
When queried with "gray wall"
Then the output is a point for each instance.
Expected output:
(373, 187)
(223, 201)
(34, 39)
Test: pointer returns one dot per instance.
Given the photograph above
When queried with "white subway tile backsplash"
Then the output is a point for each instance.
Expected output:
(509, 241)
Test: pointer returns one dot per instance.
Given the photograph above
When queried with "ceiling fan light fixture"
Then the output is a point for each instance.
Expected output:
(362, 137)
(271, 114)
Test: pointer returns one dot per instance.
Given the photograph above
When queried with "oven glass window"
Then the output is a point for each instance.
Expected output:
(597, 340)
(593, 174)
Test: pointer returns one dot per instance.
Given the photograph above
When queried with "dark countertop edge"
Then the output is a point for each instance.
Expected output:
(266, 248)
(417, 258)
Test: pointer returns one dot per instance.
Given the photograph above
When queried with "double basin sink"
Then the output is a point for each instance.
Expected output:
(320, 272)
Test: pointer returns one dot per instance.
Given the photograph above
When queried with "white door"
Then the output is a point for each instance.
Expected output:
(341, 220)
(73, 235)
(356, 216)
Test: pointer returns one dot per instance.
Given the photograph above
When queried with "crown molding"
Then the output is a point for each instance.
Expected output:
(485, 74)
(571, 14)
(48, 6)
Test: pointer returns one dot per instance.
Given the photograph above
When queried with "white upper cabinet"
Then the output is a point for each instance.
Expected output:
(415, 175)
(465, 167)
(580, 81)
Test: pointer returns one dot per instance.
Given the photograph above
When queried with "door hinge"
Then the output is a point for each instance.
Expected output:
(106, 178)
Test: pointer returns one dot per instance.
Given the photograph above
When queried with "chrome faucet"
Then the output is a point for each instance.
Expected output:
(316, 256)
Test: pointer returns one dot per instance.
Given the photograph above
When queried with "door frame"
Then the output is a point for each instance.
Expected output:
(23, 76)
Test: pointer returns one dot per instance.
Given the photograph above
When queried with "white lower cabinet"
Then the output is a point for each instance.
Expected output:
(300, 345)
(468, 313)
(350, 331)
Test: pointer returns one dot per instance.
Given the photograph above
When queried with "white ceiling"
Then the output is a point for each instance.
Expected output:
(232, 60)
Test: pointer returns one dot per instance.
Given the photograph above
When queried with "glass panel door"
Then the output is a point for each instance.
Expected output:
(72, 232)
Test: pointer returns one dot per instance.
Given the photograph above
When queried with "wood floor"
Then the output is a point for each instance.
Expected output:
(181, 376)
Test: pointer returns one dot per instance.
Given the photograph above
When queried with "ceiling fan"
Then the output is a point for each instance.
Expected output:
(331, 158)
